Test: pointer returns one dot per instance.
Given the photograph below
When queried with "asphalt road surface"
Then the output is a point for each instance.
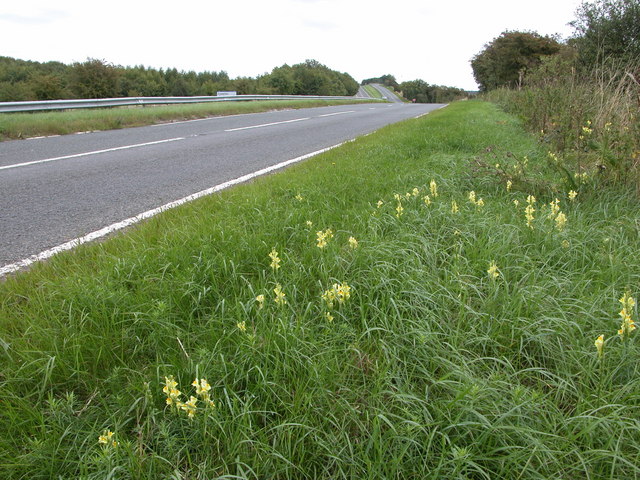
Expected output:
(56, 189)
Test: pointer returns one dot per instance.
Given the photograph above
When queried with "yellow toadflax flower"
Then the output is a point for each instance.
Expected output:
(599, 343)
(353, 243)
(309, 223)
(328, 316)
(433, 188)
(528, 214)
(275, 259)
(279, 298)
(190, 406)
(399, 210)
(628, 325)
(260, 300)
(472, 197)
(454, 207)
(323, 237)
(171, 390)
(509, 184)
(561, 221)
(427, 200)
(380, 203)
(298, 197)
(107, 440)
(202, 390)
(493, 270)
(415, 192)
(572, 195)
(554, 208)
(242, 326)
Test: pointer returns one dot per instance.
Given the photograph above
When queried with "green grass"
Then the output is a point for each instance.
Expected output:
(431, 369)
(24, 125)
(374, 92)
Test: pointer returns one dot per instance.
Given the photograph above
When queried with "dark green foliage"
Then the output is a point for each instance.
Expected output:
(505, 59)
(386, 80)
(421, 92)
(608, 29)
(25, 80)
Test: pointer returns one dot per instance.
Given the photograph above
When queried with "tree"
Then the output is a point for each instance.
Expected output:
(505, 59)
(607, 29)
(94, 79)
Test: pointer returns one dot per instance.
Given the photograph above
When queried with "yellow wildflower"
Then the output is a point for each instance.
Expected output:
(433, 188)
(561, 221)
(323, 237)
(516, 203)
(260, 300)
(454, 207)
(353, 243)
(493, 270)
(555, 208)
(480, 203)
(279, 298)
(171, 390)
(628, 325)
(399, 210)
(528, 213)
(275, 260)
(599, 343)
(572, 195)
(531, 199)
(242, 326)
(309, 223)
(380, 203)
(328, 316)
(415, 192)
(299, 197)
(427, 200)
(202, 390)
(190, 406)
(509, 184)
(472, 197)
(107, 440)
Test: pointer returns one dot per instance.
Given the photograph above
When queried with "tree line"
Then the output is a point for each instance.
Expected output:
(605, 31)
(22, 80)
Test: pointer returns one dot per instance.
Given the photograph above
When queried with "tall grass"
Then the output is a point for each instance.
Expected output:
(436, 365)
(592, 120)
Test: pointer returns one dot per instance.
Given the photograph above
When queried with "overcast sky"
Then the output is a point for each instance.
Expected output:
(411, 39)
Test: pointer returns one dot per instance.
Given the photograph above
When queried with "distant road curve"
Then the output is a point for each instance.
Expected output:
(388, 94)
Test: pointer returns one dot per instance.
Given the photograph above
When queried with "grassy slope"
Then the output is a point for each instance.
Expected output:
(372, 91)
(430, 370)
(24, 125)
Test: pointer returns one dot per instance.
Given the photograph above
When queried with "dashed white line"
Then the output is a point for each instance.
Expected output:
(85, 154)
(337, 113)
(150, 213)
(267, 124)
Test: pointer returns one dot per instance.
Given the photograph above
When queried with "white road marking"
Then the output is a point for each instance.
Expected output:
(150, 213)
(85, 154)
(421, 115)
(268, 124)
(337, 113)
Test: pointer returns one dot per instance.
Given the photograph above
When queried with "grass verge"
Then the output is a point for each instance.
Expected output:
(25, 125)
(433, 337)
(372, 91)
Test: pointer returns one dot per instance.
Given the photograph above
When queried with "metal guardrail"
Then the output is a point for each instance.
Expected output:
(8, 107)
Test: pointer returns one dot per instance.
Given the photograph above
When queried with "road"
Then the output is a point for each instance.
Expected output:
(57, 189)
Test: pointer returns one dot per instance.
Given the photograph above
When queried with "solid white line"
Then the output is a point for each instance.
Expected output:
(150, 213)
(267, 124)
(337, 113)
(77, 155)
